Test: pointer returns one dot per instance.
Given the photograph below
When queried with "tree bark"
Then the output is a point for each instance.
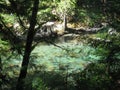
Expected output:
(64, 22)
(25, 62)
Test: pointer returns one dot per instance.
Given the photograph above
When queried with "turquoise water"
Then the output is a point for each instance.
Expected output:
(73, 56)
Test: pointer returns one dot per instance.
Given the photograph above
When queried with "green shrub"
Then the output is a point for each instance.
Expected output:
(38, 84)
(93, 77)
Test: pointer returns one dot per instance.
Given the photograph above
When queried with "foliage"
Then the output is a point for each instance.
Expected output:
(108, 47)
(70, 68)
(90, 18)
(46, 15)
(9, 19)
(66, 7)
(93, 77)
(4, 47)
(37, 84)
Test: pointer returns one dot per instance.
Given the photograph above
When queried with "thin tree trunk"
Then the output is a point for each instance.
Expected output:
(64, 22)
(25, 62)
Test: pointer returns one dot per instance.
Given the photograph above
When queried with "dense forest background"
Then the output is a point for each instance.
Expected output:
(59, 44)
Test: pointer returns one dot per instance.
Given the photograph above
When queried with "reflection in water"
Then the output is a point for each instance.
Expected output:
(68, 38)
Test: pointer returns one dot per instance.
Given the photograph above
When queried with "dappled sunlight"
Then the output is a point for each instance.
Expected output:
(59, 45)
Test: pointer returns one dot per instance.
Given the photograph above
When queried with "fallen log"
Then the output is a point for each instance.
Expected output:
(83, 31)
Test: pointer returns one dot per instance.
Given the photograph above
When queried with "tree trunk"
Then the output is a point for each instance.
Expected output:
(64, 22)
(25, 62)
